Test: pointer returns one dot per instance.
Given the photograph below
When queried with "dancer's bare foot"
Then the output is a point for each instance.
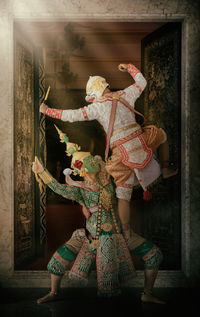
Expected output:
(168, 172)
(149, 298)
(50, 297)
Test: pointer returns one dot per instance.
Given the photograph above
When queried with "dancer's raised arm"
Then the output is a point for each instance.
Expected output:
(69, 192)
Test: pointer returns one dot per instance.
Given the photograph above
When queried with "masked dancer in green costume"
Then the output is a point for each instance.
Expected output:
(101, 243)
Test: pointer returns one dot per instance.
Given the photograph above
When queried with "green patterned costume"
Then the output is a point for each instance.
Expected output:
(102, 243)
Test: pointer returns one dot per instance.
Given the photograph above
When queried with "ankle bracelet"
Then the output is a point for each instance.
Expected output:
(146, 292)
(53, 293)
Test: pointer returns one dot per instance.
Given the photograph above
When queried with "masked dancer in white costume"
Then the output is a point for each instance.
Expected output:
(132, 162)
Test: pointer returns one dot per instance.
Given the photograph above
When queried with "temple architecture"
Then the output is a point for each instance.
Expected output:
(60, 44)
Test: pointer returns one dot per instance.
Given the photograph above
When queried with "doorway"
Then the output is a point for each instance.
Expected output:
(69, 54)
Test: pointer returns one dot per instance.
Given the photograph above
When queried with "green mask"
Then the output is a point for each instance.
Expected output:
(91, 164)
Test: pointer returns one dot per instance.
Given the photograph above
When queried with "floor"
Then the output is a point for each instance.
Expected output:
(22, 302)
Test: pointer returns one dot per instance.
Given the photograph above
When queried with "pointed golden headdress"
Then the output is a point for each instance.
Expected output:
(82, 162)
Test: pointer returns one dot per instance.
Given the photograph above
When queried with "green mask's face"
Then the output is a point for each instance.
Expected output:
(91, 164)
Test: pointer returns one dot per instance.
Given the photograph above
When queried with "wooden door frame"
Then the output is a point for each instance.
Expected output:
(165, 278)
(152, 43)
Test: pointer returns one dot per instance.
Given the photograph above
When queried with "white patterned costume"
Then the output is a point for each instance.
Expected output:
(132, 161)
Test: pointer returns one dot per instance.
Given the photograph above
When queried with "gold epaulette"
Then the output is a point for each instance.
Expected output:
(45, 177)
(115, 96)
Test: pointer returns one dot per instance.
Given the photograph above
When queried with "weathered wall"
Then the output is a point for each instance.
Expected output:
(128, 10)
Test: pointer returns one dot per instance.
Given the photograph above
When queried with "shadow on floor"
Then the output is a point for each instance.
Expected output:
(22, 303)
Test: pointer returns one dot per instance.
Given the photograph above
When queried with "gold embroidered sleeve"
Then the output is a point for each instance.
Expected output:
(46, 177)
(69, 192)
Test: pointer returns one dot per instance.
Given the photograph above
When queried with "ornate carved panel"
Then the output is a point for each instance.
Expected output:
(40, 149)
(161, 57)
(24, 151)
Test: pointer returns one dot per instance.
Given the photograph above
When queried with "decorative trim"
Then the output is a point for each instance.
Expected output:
(133, 71)
(127, 138)
(58, 257)
(42, 147)
(151, 252)
(45, 177)
(81, 184)
(110, 127)
(125, 157)
(76, 268)
(109, 96)
(137, 86)
(124, 185)
(54, 113)
(84, 114)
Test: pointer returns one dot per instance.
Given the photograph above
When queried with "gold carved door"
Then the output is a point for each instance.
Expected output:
(161, 63)
(29, 237)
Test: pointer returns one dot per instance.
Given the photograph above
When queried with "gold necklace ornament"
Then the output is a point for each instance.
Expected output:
(105, 200)
(97, 184)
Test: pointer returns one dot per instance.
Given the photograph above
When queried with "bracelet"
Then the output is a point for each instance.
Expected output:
(45, 177)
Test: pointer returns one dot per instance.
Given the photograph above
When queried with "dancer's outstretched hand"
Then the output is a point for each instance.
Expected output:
(123, 67)
(37, 166)
(43, 108)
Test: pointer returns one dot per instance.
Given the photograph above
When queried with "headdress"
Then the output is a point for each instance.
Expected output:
(95, 87)
(82, 162)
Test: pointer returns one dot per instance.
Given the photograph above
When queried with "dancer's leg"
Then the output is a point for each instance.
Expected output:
(152, 257)
(150, 278)
(124, 215)
(163, 154)
(53, 294)
(57, 266)
(123, 179)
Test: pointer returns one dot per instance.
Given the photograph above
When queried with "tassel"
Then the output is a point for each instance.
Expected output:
(147, 195)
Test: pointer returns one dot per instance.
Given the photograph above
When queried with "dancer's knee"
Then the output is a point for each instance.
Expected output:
(60, 260)
(149, 252)
(124, 193)
(55, 267)
(153, 262)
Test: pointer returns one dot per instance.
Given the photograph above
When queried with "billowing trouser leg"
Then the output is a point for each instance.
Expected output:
(150, 253)
(60, 260)
(66, 253)
(57, 266)
(152, 257)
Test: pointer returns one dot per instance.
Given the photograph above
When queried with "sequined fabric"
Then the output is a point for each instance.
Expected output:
(126, 178)
(111, 254)
(100, 109)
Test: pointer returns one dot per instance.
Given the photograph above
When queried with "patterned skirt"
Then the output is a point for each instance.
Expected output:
(112, 259)
(114, 264)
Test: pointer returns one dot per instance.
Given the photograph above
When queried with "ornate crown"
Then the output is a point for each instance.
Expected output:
(82, 162)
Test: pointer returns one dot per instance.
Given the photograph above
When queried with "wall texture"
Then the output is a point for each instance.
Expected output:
(128, 10)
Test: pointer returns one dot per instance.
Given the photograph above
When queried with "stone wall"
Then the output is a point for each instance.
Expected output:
(128, 10)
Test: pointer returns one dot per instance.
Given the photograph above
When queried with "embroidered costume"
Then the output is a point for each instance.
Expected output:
(101, 242)
(111, 254)
(132, 161)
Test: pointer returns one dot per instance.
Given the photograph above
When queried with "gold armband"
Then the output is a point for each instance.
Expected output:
(45, 177)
